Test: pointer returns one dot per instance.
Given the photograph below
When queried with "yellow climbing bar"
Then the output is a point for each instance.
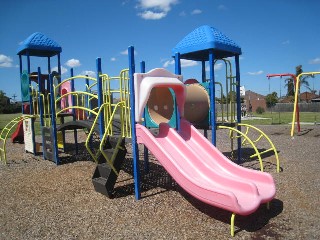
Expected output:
(296, 95)
(109, 126)
(261, 136)
(241, 134)
(5, 132)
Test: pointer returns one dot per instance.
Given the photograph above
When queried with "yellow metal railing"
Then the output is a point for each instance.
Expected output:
(5, 133)
(260, 137)
(296, 95)
(241, 134)
(247, 141)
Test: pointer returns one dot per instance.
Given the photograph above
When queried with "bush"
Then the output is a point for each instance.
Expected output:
(260, 110)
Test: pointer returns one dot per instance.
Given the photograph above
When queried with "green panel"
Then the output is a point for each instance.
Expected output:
(25, 87)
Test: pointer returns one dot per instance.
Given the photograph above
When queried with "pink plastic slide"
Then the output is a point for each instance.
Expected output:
(18, 135)
(67, 100)
(204, 172)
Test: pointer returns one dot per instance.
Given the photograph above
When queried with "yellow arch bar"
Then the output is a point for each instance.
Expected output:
(296, 94)
(249, 140)
(5, 132)
(262, 134)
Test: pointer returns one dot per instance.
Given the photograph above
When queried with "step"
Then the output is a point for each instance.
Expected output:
(104, 178)
(100, 186)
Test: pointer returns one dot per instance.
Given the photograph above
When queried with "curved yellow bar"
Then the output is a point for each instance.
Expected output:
(5, 132)
(262, 134)
(248, 139)
(74, 78)
(296, 94)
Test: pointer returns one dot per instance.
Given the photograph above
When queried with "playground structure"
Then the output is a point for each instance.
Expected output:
(294, 82)
(112, 109)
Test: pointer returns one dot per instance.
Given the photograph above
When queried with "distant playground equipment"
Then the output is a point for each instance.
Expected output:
(295, 115)
(294, 81)
(111, 109)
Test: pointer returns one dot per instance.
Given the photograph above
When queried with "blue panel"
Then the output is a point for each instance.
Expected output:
(38, 44)
(196, 44)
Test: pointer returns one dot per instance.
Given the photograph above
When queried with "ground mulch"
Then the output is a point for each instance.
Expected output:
(40, 200)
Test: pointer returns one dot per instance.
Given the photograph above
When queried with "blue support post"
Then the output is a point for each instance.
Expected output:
(178, 72)
(135, 150)
(49, 65)
(40, 100)
(29, 70)
(20, 67)
(75, 133)
(145, 149)
(238, 103)
(20, 62)
(212, 99)
(53, 122)
(100, 97)
(204, 77)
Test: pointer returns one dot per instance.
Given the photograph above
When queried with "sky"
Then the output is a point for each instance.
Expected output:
(275, 36)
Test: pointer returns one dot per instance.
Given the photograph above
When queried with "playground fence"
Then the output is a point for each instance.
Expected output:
(303, 107)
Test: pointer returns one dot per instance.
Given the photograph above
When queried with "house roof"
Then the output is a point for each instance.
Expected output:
(38, 44)
(196, 45)
(253, 95)
(308, 96)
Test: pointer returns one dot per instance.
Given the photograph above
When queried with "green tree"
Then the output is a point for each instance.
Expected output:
(271, 99)
(232, 96)
(303, 81)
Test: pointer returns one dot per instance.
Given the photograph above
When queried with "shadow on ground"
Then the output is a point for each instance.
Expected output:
(157, 177)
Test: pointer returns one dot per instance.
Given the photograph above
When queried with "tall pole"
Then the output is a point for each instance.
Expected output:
(135, 150)
(212, 99)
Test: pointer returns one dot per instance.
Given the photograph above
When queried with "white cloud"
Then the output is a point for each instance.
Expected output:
(5, 61)
(73, 63)
(315, 61)
(167, 63)
(113, 59)
(63, 69)
(196, 11)
(182, 14)
(217, 67)
(125, 52)
(89, 73)
(184, 63)
(188, 63)
(222, 7)
(255, 73)
(150, 15)
(286, 42)
(155, 9)
(162, 5)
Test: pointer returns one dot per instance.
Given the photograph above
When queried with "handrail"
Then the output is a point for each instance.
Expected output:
(108, 126)
(91, 132)
(262, 134)
(107, 133)
(73, 78)
(5, 132)
(248, 139)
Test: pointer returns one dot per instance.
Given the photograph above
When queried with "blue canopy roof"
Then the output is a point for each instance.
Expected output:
(38, 44)
(196, 45)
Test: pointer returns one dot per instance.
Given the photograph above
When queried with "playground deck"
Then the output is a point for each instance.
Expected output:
(43, 201)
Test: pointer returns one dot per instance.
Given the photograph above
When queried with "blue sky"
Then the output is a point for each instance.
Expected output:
(275, 35)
